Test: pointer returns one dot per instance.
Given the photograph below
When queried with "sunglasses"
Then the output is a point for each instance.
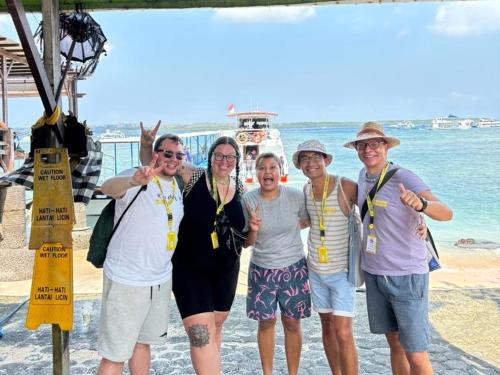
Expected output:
(169, 154)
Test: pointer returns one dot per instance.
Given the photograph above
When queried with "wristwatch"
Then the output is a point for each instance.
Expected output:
(425, 203)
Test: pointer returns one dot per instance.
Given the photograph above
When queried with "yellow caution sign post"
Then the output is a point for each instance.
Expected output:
(51, 298)
(52, 288)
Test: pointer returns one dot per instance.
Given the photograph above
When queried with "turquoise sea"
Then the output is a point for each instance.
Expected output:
(460, 166)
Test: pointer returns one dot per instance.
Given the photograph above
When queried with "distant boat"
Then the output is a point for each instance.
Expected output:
(255, 136)
(450, 122)
(487, 123)
(405, 124)
(112, 134)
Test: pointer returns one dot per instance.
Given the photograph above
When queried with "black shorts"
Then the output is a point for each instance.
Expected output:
(199, 291)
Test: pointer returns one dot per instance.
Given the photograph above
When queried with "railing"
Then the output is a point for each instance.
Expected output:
(123, 153)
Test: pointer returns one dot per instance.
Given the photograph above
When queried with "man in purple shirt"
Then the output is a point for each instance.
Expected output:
(394, 259)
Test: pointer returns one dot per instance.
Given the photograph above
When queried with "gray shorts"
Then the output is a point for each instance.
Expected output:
(400, 303)
(130, 315)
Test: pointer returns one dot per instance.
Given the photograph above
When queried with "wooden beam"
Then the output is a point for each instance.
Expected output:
(69, 5)
(16, 10)
(60, 351)
(13, 56)
(51, 49)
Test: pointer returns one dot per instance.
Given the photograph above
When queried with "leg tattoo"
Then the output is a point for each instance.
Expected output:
(198, 335)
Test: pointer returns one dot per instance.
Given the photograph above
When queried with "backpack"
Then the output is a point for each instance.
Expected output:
(104, 228)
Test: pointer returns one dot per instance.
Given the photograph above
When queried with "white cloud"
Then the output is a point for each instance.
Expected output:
(284, 14)
(467, 18)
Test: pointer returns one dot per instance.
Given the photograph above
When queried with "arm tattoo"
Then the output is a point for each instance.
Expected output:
(198, 335)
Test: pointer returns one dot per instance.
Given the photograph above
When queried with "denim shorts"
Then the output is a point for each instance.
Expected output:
(288, 286)
(400, 303)
(332, 293)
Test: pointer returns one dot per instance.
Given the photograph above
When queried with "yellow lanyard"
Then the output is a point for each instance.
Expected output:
(369, 202)
(215, 195)
(171, 236)
(321, 214)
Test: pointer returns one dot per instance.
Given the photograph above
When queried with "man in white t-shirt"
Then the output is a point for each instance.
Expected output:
(138, 268)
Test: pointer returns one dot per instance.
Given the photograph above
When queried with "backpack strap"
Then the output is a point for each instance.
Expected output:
(180, 182)
(349, 206)
(143, 187)
(307, 187)
(374, 190)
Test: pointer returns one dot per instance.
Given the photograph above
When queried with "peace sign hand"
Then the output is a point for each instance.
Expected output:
(148, 136)
(254, 220)
(143, 175)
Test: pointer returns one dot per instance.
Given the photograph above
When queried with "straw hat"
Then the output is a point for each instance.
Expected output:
(312, 145)
(371, 130)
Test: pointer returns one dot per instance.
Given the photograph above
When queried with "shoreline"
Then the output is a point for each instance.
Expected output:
(462, 269)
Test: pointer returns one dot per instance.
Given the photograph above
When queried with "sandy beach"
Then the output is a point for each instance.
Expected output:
(461, 269)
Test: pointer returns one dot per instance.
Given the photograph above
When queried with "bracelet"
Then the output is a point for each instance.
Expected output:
(425, 203)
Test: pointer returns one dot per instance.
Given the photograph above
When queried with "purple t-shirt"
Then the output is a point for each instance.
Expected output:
(399, 250)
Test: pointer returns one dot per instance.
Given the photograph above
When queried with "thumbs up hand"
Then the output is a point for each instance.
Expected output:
(409, 198)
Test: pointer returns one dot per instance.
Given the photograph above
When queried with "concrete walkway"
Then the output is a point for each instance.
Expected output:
(30, 352)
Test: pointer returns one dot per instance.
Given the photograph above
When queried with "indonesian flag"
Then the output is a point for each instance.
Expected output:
(230, 109)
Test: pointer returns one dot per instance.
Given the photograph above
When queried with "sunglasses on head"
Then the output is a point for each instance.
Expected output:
(169, 154)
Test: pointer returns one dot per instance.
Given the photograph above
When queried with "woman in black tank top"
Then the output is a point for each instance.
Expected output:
(206, 261)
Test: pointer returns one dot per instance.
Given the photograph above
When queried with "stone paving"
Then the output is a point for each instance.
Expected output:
(30, 352)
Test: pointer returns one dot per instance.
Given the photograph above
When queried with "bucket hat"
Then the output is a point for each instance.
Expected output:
(311, 145)
(371, 130)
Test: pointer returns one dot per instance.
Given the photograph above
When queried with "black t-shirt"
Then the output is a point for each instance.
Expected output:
(194, 248)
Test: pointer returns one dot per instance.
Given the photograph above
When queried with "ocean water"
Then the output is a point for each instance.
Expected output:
(460, 166)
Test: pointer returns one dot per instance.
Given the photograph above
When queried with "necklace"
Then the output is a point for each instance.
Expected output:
(371, 179)
(223, 182)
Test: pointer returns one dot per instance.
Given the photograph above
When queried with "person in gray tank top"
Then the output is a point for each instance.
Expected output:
(278, 271)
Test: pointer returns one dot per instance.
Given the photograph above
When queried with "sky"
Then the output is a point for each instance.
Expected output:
(308, 63)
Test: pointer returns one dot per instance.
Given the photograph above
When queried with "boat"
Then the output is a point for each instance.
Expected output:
(487, 123)
(466, 123)
(112, 134)
(450, 122)
(254, 136)
(405, 124)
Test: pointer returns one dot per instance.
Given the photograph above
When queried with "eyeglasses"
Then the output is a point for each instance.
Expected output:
(169, 154)
(315, 158)
(229, 158)
(372, 145)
